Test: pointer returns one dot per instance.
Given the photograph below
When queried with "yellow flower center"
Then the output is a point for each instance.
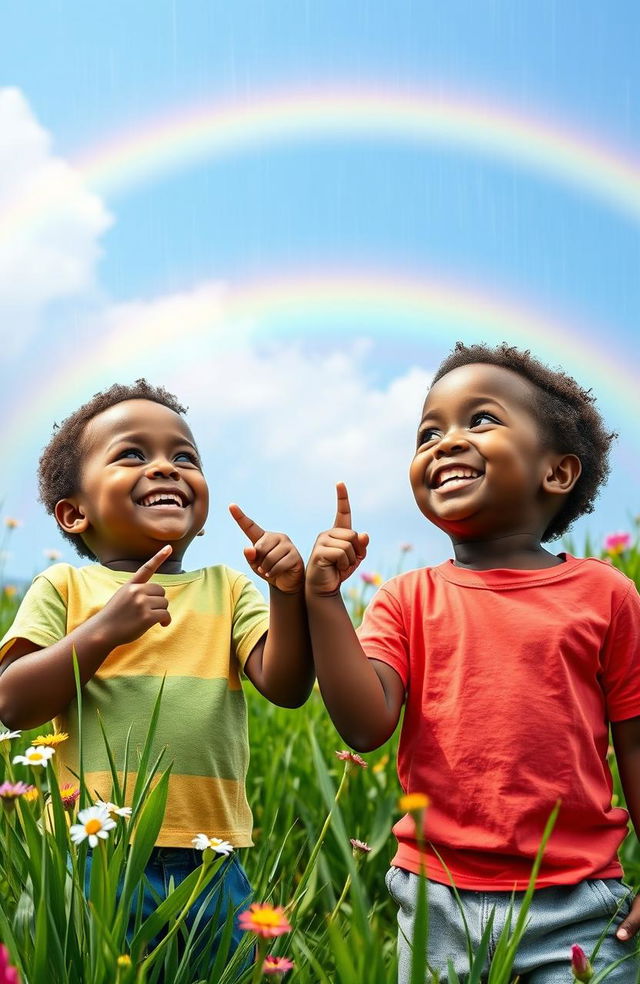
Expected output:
(93, 826)
(36, 757)
(266, 917)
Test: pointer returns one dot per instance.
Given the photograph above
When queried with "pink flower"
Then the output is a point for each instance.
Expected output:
(8, 974)
(276, 965)
(616, 543)
(69, 794)
(371, 578)
(352, 757)
(580, 965)
(265, 920)
(11, 790)
(359, 847)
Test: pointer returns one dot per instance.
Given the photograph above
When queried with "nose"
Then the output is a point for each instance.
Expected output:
(162, 468)
(452, 442)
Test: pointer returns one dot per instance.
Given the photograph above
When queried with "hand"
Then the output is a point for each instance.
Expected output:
(630, 926)
(138, 604)
(338, 552)
(271, 555)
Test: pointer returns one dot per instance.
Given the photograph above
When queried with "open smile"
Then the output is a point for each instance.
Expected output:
(454, 477)
(164, 500)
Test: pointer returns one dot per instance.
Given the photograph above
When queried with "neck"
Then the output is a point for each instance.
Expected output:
(515, 551)
(131, 566)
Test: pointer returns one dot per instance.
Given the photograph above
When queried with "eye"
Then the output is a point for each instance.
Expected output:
(130, 453)
(187, 456)
(483, 417)
(427, 435)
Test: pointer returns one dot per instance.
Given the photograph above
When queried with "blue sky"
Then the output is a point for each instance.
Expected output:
(284, 404)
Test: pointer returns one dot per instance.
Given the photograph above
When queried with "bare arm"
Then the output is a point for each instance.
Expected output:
(626, 741)
(37, 684)
(280, 666)
(364, 697)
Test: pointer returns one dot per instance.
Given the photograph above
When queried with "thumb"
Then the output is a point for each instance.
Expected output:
(630, 926)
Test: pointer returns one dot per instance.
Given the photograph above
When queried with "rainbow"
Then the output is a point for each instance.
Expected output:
(424, 316)
(191, 134)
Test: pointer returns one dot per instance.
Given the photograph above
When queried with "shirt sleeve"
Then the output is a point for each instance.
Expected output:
(41, 617)
(383, 633)
(621, 679)
(250, 618)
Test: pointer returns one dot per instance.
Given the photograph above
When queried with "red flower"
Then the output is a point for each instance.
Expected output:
(580, 965)
(353, 758)
(276, 965)
(8, 974)
(265, 920)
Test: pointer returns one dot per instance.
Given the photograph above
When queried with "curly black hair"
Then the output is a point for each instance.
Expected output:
(567, 417)
(61, 460)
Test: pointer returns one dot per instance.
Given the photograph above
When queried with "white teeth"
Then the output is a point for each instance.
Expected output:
(165, 497)
(451, 473)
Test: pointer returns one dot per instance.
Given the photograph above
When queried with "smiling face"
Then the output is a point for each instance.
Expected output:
(481, 466)
(141, 484)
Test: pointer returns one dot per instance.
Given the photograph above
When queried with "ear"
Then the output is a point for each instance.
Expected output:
(70, 517)
(562, 474)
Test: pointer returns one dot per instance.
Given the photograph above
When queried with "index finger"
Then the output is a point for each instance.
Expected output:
(149, 568)
(343, 508)
(253, 531)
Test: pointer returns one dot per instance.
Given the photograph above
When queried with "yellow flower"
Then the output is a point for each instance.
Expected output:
(31, 795)
(124, 960)
(11, 524)
(413, 802)
(10, 590)
(381, 764)
(50, 741)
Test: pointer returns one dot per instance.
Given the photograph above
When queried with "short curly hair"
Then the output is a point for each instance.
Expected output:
(60, 463)
(568, 419)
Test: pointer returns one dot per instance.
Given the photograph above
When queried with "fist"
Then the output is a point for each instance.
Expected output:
(271, 556)
(337, 552)
(138, 604)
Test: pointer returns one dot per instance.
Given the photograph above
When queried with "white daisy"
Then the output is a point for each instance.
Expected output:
(94, 822)
(39, 755)
(113, 810)
(8, 735)
(201, 842)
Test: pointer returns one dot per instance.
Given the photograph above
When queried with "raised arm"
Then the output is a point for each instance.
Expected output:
(364, 697)
(280, 666)
(36, 684)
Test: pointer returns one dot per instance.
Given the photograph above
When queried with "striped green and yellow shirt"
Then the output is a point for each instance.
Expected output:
(218, 616)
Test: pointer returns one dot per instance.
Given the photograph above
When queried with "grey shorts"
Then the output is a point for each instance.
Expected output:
(558, 917)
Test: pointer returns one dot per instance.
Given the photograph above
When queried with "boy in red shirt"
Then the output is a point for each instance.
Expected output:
(510, 663)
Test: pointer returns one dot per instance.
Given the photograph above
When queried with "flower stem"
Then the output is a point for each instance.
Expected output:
(306, 874)
(260, 955)
(338, 905)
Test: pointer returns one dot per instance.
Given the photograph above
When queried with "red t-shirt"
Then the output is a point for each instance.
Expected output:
(512, 678)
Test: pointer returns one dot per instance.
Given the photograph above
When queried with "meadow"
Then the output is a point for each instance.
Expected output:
(322, 847)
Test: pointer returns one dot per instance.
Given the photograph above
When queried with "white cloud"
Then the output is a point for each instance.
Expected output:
(300, 415)
(50, 223)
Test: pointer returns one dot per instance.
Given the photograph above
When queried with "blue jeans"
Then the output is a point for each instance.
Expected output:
(558, 917)
(176, 863)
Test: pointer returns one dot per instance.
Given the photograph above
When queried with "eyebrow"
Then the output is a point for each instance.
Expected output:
(469, 404)
(140, 437)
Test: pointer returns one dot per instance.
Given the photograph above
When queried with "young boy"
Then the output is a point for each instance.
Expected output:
(123, 478)
(510, 663)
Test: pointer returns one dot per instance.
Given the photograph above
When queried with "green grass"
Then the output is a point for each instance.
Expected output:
(344, 924)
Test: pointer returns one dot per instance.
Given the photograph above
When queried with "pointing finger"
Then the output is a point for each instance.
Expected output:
(343, 509)
(252, 530)
(150, 566)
